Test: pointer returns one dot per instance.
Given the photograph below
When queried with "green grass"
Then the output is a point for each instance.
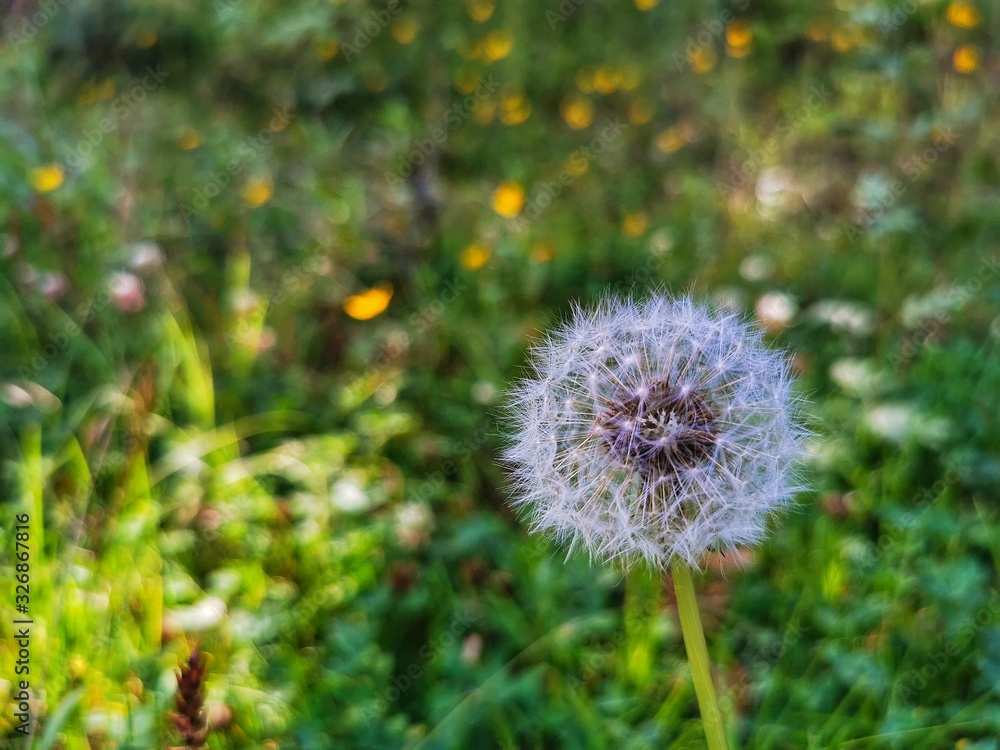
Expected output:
(232, 435)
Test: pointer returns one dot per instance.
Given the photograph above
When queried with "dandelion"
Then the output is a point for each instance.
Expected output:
(635, 224)
(497, 45)
(606, 80)
(739, 39)
(966, 59)
(475, 256)
(508, 199)
(257, 192)
(670, 140)
(466, 81)
(655, 432)
(739, 34)
(514, 108)
(369, 303)
(640, 111)
(146, 39)
(189, 140)
(963, 14)
(576, 167)
(480, 10)
(483, 111)
(47, 178)
(327, 49)
(77, 666)
(543, 251)
(405, 30)
(702, 60)
(577, 112)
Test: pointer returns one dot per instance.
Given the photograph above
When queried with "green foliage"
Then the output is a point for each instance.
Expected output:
(267, 269)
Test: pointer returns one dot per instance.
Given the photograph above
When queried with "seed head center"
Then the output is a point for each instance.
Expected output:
(660, 425)
(659, 429)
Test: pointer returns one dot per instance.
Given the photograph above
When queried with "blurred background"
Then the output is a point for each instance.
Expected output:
(267, 270)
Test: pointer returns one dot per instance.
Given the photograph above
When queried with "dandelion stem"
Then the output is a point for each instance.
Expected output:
(697, 652)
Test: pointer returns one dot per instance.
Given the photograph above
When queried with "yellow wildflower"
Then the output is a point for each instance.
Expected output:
(475, 256)
(480, 10)
(577, 112)
(508, 199)
(703, 60)
(963, 14)
(369, 303)
(670, 140)
(543, 251)
(190, 139)
(404, 29)
(257, 192)
(966, 59)
(635, 224)
(47, 178)
(497, 45)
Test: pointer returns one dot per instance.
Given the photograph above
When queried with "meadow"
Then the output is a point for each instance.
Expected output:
(268, 270)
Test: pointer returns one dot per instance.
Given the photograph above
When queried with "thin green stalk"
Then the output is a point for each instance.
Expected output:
(697, 652)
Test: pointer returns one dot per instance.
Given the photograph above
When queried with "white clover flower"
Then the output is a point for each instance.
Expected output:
(775, 310)
(654, 431)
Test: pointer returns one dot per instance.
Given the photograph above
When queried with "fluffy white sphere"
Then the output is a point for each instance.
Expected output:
(654, 431)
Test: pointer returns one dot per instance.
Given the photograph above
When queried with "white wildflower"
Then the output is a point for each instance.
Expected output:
(898, 422)
(844, 315)
(777, 193)
(937, 304)
(144, 256)
(776, 310)
(857, 376)
(200, 616)
(655, 431)
(414, 524)
(348, 495)
(127, 292)
(756, 267)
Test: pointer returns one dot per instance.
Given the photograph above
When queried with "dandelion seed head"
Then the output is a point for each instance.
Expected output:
(653, 431)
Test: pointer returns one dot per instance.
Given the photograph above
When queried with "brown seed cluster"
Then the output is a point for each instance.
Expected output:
(659, 429)
(189, 718)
